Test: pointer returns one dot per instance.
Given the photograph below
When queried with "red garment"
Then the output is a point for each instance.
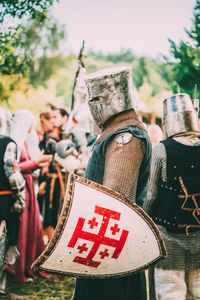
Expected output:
(30, 240)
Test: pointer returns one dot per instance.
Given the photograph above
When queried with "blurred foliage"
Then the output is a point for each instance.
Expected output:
(35, 71)
(36, 9)
(27, 32)
(123, 56)
(186, 68)
(21, 49)
(146, 72)
(42, 44)
(11, 61)
(51, 80)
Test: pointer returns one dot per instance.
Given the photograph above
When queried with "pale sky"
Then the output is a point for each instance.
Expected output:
(144, 26)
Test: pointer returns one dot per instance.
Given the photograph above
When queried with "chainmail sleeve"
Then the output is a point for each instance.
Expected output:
(158, 170)
(12, 170)
(122, 166)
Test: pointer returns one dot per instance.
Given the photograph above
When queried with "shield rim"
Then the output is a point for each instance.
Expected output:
(72, 178)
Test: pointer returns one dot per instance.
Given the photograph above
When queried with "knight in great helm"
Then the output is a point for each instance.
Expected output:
(174, 200)
(120, 160)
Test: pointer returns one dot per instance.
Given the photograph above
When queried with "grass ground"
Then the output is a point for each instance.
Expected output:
(58, 287)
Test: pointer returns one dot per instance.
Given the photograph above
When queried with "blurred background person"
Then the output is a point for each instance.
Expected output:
(51, 181)
(66, 141)
(30, 241)
(46, 126)
(45, 132)
(60, 117)
(155, 133)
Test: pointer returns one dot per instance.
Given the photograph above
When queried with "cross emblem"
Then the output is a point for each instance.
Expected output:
(82, 248)
(93, 222)
(104, 253)
(114, 229)
(99, 238)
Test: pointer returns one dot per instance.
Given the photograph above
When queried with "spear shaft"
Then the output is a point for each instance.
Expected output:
(80, 64)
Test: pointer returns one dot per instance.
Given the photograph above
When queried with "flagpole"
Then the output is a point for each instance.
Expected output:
(80, 64)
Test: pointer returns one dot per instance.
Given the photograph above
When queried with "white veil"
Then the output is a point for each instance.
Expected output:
(20, 124)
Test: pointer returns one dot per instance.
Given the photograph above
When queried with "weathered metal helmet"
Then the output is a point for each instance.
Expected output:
(65, 147)
(179, 115)
(5, 120)
(110, 92)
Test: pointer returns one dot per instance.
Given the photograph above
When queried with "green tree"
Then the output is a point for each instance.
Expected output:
(35, 9)
(123, 56)
(17, 40)
(42, 45)
(186, 69)
(140, 72)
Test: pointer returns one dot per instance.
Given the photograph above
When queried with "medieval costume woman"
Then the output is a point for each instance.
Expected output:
(30, 241)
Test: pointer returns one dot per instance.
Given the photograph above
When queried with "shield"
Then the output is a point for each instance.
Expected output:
(100, 234)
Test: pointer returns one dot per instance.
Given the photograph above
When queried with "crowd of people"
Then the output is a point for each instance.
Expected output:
(156, 169)
(34, 168)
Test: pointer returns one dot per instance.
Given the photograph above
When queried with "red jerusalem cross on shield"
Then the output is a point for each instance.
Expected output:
(99, 238)
(100, 235)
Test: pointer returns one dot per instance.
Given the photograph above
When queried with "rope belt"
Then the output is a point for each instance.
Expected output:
(195, 211)
(5, 192)
(62, 184)
(52, 175)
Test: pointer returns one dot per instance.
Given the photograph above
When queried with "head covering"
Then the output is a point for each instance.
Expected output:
(20, 125)
(179, 115)
(32, 141)
(110, 92)
(5, 119)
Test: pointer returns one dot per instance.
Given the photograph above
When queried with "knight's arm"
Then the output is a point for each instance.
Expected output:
(158, 171)
(122, 166)
(13, 173)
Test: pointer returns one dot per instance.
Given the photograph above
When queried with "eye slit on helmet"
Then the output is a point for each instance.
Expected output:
(96, 99)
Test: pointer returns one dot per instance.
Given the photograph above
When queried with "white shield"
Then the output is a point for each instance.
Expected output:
(100, 234)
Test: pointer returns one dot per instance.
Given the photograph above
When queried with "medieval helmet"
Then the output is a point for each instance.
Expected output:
(5, 120)
(110, 92)
(179, 115)
(65, 148)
